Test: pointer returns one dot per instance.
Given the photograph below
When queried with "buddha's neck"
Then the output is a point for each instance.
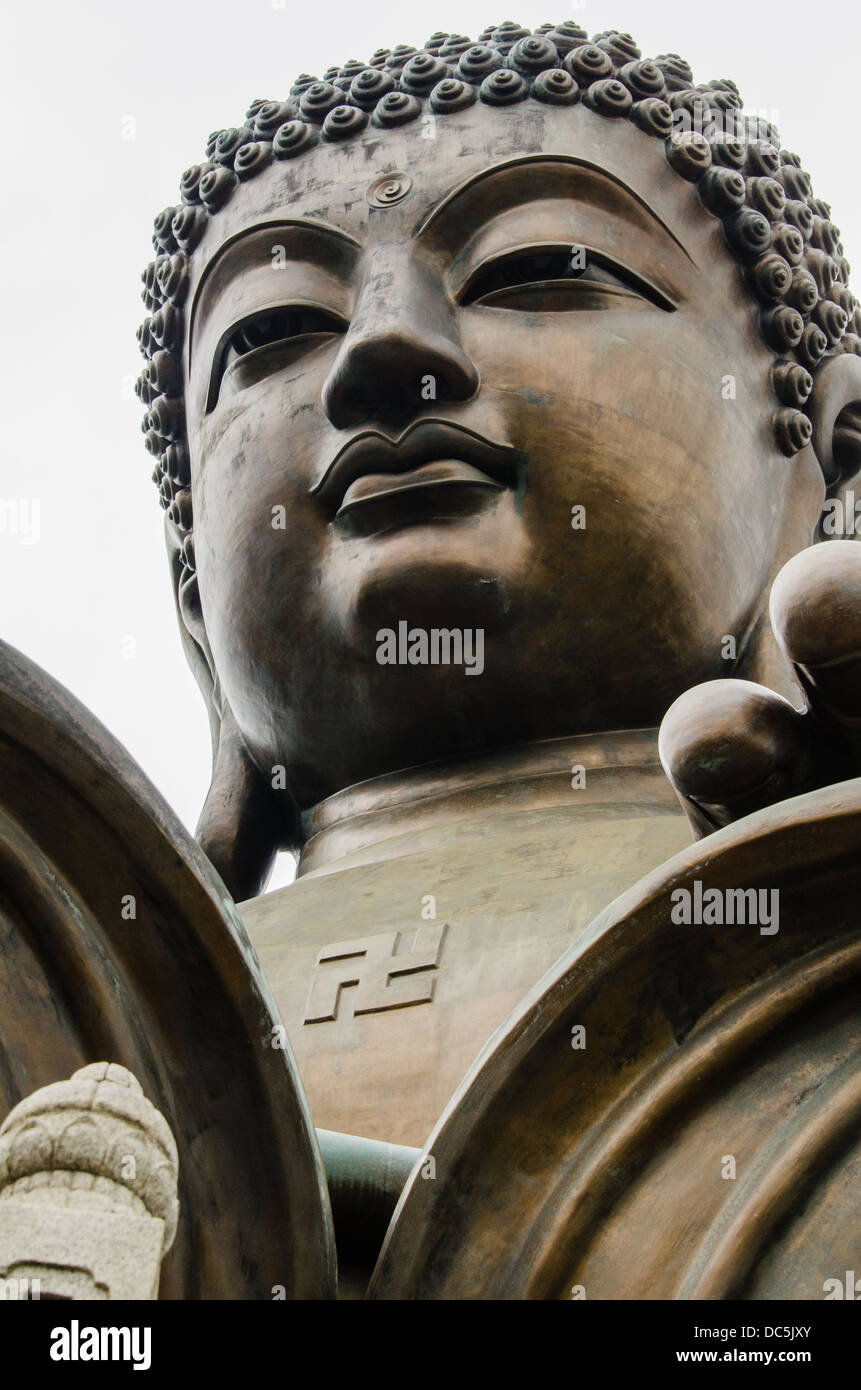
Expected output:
(589, 775)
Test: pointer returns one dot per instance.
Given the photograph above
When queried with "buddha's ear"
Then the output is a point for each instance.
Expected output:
(834, 408)
(192, 629)
(243, 822)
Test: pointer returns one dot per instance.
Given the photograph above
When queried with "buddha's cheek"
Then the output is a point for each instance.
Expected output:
(258, 550)
(653, 483)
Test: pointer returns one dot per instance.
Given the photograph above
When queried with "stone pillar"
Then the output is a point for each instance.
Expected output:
(88, 1178)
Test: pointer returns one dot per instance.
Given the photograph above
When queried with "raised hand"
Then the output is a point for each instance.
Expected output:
(731, 747)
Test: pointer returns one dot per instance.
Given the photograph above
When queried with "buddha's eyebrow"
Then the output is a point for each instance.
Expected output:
(529, 179)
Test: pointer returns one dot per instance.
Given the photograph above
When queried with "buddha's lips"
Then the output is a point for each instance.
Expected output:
(432, 453)
(443, 473)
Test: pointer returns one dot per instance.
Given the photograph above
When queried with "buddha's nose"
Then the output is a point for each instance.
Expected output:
(402, 350)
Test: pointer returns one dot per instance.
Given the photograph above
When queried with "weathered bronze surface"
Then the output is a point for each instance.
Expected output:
(493, 390)
(559, 397)
(703, 1142)
(118, 940)
(404, 412)
(517, 864)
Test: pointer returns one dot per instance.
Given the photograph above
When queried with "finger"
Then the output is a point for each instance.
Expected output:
(816, 617)
(730, 747)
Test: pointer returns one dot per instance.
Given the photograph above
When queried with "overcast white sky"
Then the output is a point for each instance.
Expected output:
(79, 199)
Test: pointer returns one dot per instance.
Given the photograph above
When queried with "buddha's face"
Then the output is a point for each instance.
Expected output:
(393, 410)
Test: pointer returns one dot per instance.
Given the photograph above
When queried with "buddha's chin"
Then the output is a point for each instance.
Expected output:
(450, 580)
(453, 570)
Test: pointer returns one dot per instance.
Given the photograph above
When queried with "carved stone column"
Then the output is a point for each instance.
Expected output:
(88, 1178)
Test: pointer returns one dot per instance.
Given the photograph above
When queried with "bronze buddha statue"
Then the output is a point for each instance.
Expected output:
(494, 389)
(530, 338)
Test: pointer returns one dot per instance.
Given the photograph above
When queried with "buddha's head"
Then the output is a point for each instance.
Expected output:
(528, 338)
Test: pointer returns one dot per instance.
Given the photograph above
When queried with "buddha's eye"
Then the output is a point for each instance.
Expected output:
(543, 279)
(268, 341)
(279, 326)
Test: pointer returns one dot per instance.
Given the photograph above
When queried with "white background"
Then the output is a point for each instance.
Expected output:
(79, 197)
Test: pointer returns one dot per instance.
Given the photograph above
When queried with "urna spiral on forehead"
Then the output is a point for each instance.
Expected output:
(788, 249)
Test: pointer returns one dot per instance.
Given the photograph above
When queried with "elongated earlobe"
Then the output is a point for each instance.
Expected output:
(244, 822)
(834, 408)
(835, 411)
